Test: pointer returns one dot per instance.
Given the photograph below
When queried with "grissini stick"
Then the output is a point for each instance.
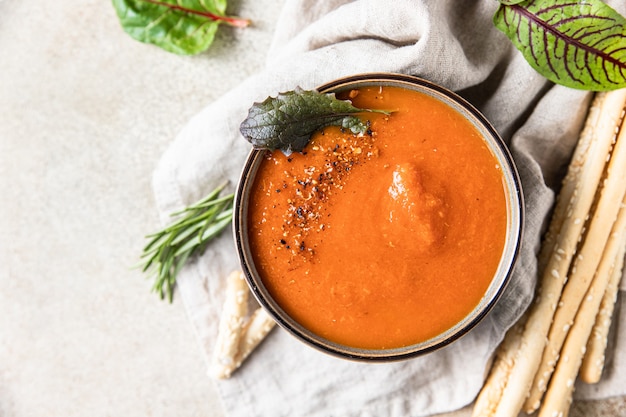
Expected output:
(570, 182)
(253, 333)
(552, 280)
(585, 265)
(238, 335)
(593, 361)
(558, 397)
(489, 397)
(231, 323)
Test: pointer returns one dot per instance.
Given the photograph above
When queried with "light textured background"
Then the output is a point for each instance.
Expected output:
(85, 113)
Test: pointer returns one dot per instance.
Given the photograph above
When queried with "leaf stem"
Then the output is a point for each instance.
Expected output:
(230, 20)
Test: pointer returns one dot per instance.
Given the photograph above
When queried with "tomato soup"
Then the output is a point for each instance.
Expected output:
(384, 239)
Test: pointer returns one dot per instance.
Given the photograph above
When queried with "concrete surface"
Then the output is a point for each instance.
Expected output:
(85, 113)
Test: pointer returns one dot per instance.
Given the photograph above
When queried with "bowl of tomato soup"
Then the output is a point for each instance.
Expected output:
(388, 244)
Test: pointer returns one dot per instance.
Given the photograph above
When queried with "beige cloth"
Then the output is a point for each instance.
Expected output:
(446, 41)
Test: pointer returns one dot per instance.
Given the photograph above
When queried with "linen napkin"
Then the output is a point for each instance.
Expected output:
(448, 42)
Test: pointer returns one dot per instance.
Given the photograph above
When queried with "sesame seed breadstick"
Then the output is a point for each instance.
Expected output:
(230, 326)
(593, 361)
(584, 267)
(489, 397)
(559, 395)
(571, 180)
(533, 339)
(255, 330)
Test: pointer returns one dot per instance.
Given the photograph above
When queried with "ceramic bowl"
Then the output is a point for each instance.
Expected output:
(500, 279)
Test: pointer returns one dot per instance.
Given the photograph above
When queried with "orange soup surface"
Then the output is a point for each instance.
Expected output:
(385, 239)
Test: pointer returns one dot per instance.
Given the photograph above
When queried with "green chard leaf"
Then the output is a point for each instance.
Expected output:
(184, 27)
(576, 43)
(287, 121)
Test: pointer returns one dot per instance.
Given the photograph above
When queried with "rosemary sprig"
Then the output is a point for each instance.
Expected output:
(169, 249)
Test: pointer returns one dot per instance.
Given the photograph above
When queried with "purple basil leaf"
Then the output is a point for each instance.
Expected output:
(576, 43)
(287, 121)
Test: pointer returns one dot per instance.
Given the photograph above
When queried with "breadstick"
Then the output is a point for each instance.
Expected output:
(552, 280)
(570, 182)
(259, 325)
(559, 395)
(593, 361)
(584, 268)
(253, 333)
(489, 397)
(231, 322)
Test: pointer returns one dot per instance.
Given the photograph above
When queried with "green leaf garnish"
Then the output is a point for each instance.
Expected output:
(184, 27)
(286, 122)
(169, 249)
(578, 44)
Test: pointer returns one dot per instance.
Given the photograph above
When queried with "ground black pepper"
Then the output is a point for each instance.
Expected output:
(311, 189)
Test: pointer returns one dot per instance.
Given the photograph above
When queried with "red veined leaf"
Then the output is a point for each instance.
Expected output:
(183, 27)
(577, 43)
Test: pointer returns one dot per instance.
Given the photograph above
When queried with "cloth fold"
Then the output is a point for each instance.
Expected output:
(450, 43)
